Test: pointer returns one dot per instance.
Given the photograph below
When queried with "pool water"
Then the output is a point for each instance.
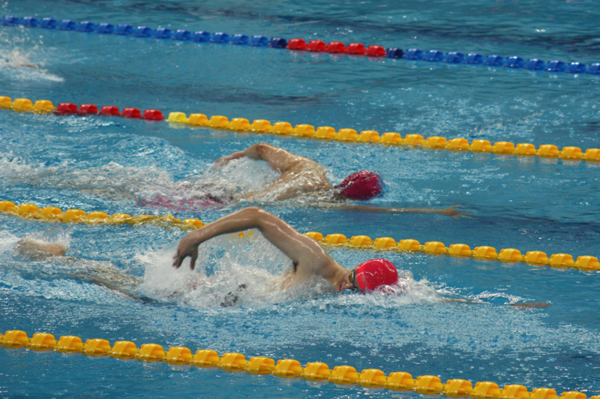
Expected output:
(110, 164)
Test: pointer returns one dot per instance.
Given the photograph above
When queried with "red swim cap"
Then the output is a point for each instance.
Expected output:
(361, 185)
(375, 273)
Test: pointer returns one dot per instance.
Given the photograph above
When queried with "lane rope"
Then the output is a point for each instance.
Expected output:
(534, 65)
(284, 368)
(569, 154)
(488, 253)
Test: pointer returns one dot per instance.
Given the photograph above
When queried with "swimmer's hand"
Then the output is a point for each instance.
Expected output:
(454, 213)
(188, 246)
(219, 163)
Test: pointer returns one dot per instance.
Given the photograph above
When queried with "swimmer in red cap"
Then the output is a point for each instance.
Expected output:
(308, 257)
(303, 177)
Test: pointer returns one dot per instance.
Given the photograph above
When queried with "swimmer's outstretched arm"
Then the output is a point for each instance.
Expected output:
(450, 211)
(525, 305)
(308, 256)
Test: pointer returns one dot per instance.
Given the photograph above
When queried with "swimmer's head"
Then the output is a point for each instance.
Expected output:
(361, 185)
(371, 275)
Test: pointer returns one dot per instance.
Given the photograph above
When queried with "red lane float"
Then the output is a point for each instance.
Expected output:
(153, 115)
(66, 109)
(316, 46)
(131, 113)
(319, 46)
(356, 49)
(296, 44)
(87, 109)
(110, 110)
(376, 51)
(336, 48)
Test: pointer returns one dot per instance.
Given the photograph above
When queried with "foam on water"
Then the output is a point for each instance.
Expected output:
(114, 181)
(15, 63)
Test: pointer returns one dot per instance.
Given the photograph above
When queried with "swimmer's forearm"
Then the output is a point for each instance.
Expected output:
(251, 152)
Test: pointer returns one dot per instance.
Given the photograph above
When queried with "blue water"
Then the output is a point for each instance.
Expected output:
(108, 164)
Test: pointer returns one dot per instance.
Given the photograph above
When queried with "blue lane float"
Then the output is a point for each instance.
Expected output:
(278, 42)
(162, 33)
(535, 64)
(434, 56)
(515, 62)
(395, 52)
(86, 26)
(594, 69)
(494, 61)
(474, 59)
(259, 41)
(124, 30)
(555, 66)
(201, 36)
(142, 31)
(183, 35)
(575, 67)
(454, 57)
(30, 22)
(49, 23)
(105, 29)
(412, 54)
(67, 24)
(220, 37)
(240, 40)
(9, 20)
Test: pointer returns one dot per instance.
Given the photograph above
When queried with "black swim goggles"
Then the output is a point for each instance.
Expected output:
(353, 280)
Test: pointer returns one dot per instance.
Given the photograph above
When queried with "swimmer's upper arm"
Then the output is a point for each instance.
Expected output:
(303, 250)
(278, 158)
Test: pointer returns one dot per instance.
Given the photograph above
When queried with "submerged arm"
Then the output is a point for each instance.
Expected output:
(301, 249)
(450, 211)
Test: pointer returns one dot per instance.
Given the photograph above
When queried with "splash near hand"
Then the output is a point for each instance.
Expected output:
(221, 162)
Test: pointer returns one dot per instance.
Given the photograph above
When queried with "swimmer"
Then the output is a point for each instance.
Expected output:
(303, 177)
(308, 257)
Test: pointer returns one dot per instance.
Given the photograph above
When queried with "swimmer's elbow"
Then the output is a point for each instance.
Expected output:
(260, 217)
(256, 213)
(261, 149)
